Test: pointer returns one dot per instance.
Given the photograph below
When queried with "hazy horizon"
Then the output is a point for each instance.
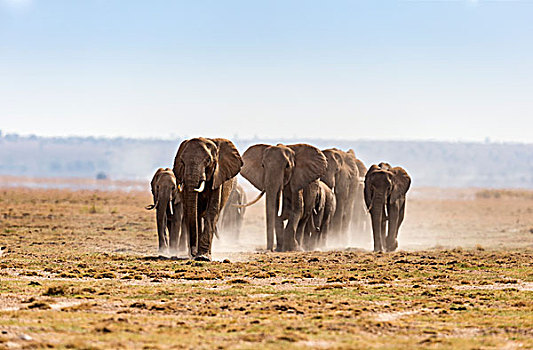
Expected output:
(392, 70)
(272, 139)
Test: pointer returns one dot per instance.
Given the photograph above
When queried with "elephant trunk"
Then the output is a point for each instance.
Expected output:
(376, 214)
(162, 203)
(272, 198)
(191, 218)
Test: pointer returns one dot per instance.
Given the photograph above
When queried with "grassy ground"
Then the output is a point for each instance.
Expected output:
(80, 272)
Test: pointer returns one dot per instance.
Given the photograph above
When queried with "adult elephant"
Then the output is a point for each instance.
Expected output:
(288, 174)
(232, 215)
(385, 190)
(206, 169)
(342, 177)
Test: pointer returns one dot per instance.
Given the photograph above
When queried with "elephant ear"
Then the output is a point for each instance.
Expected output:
(252, 169)
(400, 183)
(229, 162)
(309, 165)
(361, 167)
(336, 158)
(350, 164)
(368, 185)
(178, 167)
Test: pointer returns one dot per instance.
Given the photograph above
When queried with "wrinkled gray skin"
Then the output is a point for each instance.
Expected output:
(288, 174)
(169, 210)
(323, 211)
(342, 177)
(232, 215)
(206, 169)
(385, 191)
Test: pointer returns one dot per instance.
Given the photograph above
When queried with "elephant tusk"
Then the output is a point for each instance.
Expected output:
(314, 211)
(201, 188)
(280, 208)
(251, 203)
(171, 209)
(180, 187)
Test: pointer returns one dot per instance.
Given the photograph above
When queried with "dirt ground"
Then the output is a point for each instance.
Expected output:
(81, 271)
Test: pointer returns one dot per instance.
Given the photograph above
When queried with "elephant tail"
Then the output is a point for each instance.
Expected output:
(252, 202)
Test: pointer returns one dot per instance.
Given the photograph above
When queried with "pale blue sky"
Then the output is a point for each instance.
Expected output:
(445, 70)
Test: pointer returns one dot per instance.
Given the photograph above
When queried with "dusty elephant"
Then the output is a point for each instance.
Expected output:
(323, 211)
(385, 190)
(169, 211)
(232, 215)
(288, 174)
(342, 177)
(360, 217)
(206, 169)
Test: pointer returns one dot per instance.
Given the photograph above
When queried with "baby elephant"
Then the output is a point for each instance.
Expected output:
(320, 220)
(385, 190)
(233, 212)
(169, 210)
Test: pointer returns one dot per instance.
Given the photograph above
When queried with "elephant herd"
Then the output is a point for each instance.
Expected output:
(311, 195)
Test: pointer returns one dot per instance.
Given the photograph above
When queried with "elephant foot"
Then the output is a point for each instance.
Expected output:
(203, 257)
(392, 245)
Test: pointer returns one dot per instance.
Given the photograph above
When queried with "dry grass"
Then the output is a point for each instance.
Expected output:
(74, 277)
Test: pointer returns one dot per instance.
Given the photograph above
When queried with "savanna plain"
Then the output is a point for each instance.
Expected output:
(81, 271)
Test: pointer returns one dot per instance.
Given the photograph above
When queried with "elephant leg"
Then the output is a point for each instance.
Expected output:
(174, 228)
(321, 241)
(182, 245)
(376, 230)
(161, 231)
(393, 241)
(383, 231)
(393, 227)
(170, 229)
(205, 238)
(238, 226)
(337, 220)
(280, 230)
(290, 243)
(302, 233)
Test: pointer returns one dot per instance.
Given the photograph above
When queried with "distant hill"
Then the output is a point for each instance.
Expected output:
(430, 163)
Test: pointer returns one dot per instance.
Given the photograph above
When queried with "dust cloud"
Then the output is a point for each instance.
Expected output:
(434, 219)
